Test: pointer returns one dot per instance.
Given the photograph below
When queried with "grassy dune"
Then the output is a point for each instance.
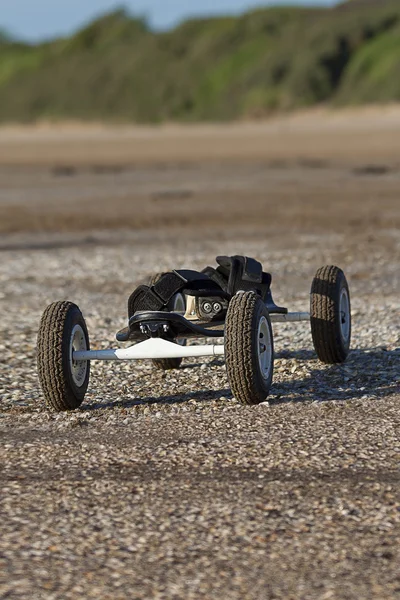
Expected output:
(265, 61)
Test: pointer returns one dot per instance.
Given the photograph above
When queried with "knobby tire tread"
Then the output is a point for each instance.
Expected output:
(325, 297)
(58, 393)
(240, 356)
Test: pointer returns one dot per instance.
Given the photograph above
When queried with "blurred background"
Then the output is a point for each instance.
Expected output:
(210, 118)
(156, 136)
(152, 61)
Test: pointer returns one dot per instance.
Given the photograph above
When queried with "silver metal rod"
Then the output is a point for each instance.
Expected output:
(159, 348)
(294, 317)
(152, 348)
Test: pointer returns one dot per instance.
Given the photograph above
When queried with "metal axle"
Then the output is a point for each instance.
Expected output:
(294, 317)
(160, 348)
(152, 348)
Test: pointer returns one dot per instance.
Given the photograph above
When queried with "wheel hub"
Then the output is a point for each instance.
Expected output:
(179, 304)
(344, 309)
(264, 348)
(78, 367)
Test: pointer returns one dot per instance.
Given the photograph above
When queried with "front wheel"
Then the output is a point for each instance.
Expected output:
(331, 315)
(62, 331)
(249, 348)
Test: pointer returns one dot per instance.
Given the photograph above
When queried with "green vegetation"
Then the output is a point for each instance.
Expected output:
(212, 69)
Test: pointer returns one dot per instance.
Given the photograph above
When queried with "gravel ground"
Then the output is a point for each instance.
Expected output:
(162, 485)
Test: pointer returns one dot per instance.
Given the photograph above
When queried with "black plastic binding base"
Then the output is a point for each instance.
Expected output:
(171, 326)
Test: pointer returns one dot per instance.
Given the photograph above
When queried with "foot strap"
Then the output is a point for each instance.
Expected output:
(158, 296)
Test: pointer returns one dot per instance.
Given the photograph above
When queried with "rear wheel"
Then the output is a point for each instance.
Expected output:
(177, 304)
(62, 331)
(249, 348)
(331, 315)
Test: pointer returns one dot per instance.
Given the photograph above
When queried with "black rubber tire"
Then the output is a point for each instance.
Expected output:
(60, 391)
(326, 319)
(247, 382)
(164, 364)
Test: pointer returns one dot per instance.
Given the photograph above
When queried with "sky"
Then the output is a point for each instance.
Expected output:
(35, 20)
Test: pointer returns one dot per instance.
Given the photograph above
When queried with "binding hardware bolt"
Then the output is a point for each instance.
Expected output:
(207, 307)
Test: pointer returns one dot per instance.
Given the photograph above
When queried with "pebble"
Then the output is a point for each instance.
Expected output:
(162, 485)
